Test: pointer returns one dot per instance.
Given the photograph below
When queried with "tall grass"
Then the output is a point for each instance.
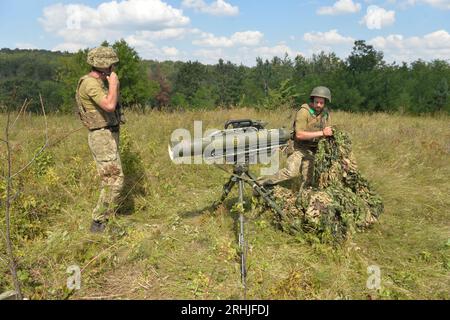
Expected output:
(170, 244)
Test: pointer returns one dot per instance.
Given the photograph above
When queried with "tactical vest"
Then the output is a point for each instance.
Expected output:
(316, 123)
(95, 119)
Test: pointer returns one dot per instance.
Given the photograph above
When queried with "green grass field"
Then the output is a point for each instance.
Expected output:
(171, 245)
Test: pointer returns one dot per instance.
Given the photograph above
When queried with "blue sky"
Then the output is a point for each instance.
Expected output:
(236, 30)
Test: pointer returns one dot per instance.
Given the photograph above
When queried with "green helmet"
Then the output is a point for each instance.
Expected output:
(322, 92)
(102, 57)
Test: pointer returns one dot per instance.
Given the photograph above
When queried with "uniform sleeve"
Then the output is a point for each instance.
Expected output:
(301, 120)
(95, 91)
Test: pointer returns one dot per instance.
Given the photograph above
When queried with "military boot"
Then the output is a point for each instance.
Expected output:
(98, 227)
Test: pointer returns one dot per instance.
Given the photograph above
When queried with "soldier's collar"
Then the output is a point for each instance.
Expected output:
(314, 113)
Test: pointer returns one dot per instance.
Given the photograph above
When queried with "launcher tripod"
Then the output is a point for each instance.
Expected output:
(241, 175)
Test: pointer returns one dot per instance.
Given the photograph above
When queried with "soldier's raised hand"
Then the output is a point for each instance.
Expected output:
(113, 79)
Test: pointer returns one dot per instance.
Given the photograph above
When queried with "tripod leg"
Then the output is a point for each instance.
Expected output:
(258, 185)
(265, 194)
(226, 191)
(242, 243)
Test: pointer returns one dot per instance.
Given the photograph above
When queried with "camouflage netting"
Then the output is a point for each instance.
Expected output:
(341, 200)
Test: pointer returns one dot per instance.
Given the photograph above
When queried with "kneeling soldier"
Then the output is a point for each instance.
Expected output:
(312, 122)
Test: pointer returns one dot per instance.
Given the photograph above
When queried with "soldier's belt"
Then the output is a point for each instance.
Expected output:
(311, 147)
(112, 129)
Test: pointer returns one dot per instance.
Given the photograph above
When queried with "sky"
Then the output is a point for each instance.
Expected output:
(234, 30)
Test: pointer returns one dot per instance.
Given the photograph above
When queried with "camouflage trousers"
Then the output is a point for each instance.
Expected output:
(104, 145)
(300, 164)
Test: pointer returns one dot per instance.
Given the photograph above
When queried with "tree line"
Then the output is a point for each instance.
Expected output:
(362, 82)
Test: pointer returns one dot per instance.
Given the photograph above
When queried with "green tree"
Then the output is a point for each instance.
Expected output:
(364, 58)
(285, 95)
(71, 69)
(441, 95)
(190, 78)
(204, 98)
(325, 63)
(135, 87)
(263, 73)
(228, 79)
(179, 101)
(365, 70)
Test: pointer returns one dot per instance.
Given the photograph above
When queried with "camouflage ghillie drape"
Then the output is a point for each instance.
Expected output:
(341, 200)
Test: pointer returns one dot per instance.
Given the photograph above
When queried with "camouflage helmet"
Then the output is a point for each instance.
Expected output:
(321, 92)
(102, 57)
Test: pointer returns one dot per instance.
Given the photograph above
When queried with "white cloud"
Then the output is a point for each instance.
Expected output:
(149, 50)
(210, 56)
(244, 55)
(328, 38)
(25, 46)
(248, 55)
(377, 18)
(246, 38)
(340, 7)
(435, 45)
(139, 42)
(216, 8)
(279, 50)
(170, 51)
(442, 4)
(329, 41)
(144, 41)
(69, 47)
(136, 14)
(164, 34)
(210, 40)
(81, 24)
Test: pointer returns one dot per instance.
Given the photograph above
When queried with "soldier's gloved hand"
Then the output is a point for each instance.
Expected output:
(328, 132)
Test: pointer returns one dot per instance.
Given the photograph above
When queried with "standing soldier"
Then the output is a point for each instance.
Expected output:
(99, 112)
(312, 122)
